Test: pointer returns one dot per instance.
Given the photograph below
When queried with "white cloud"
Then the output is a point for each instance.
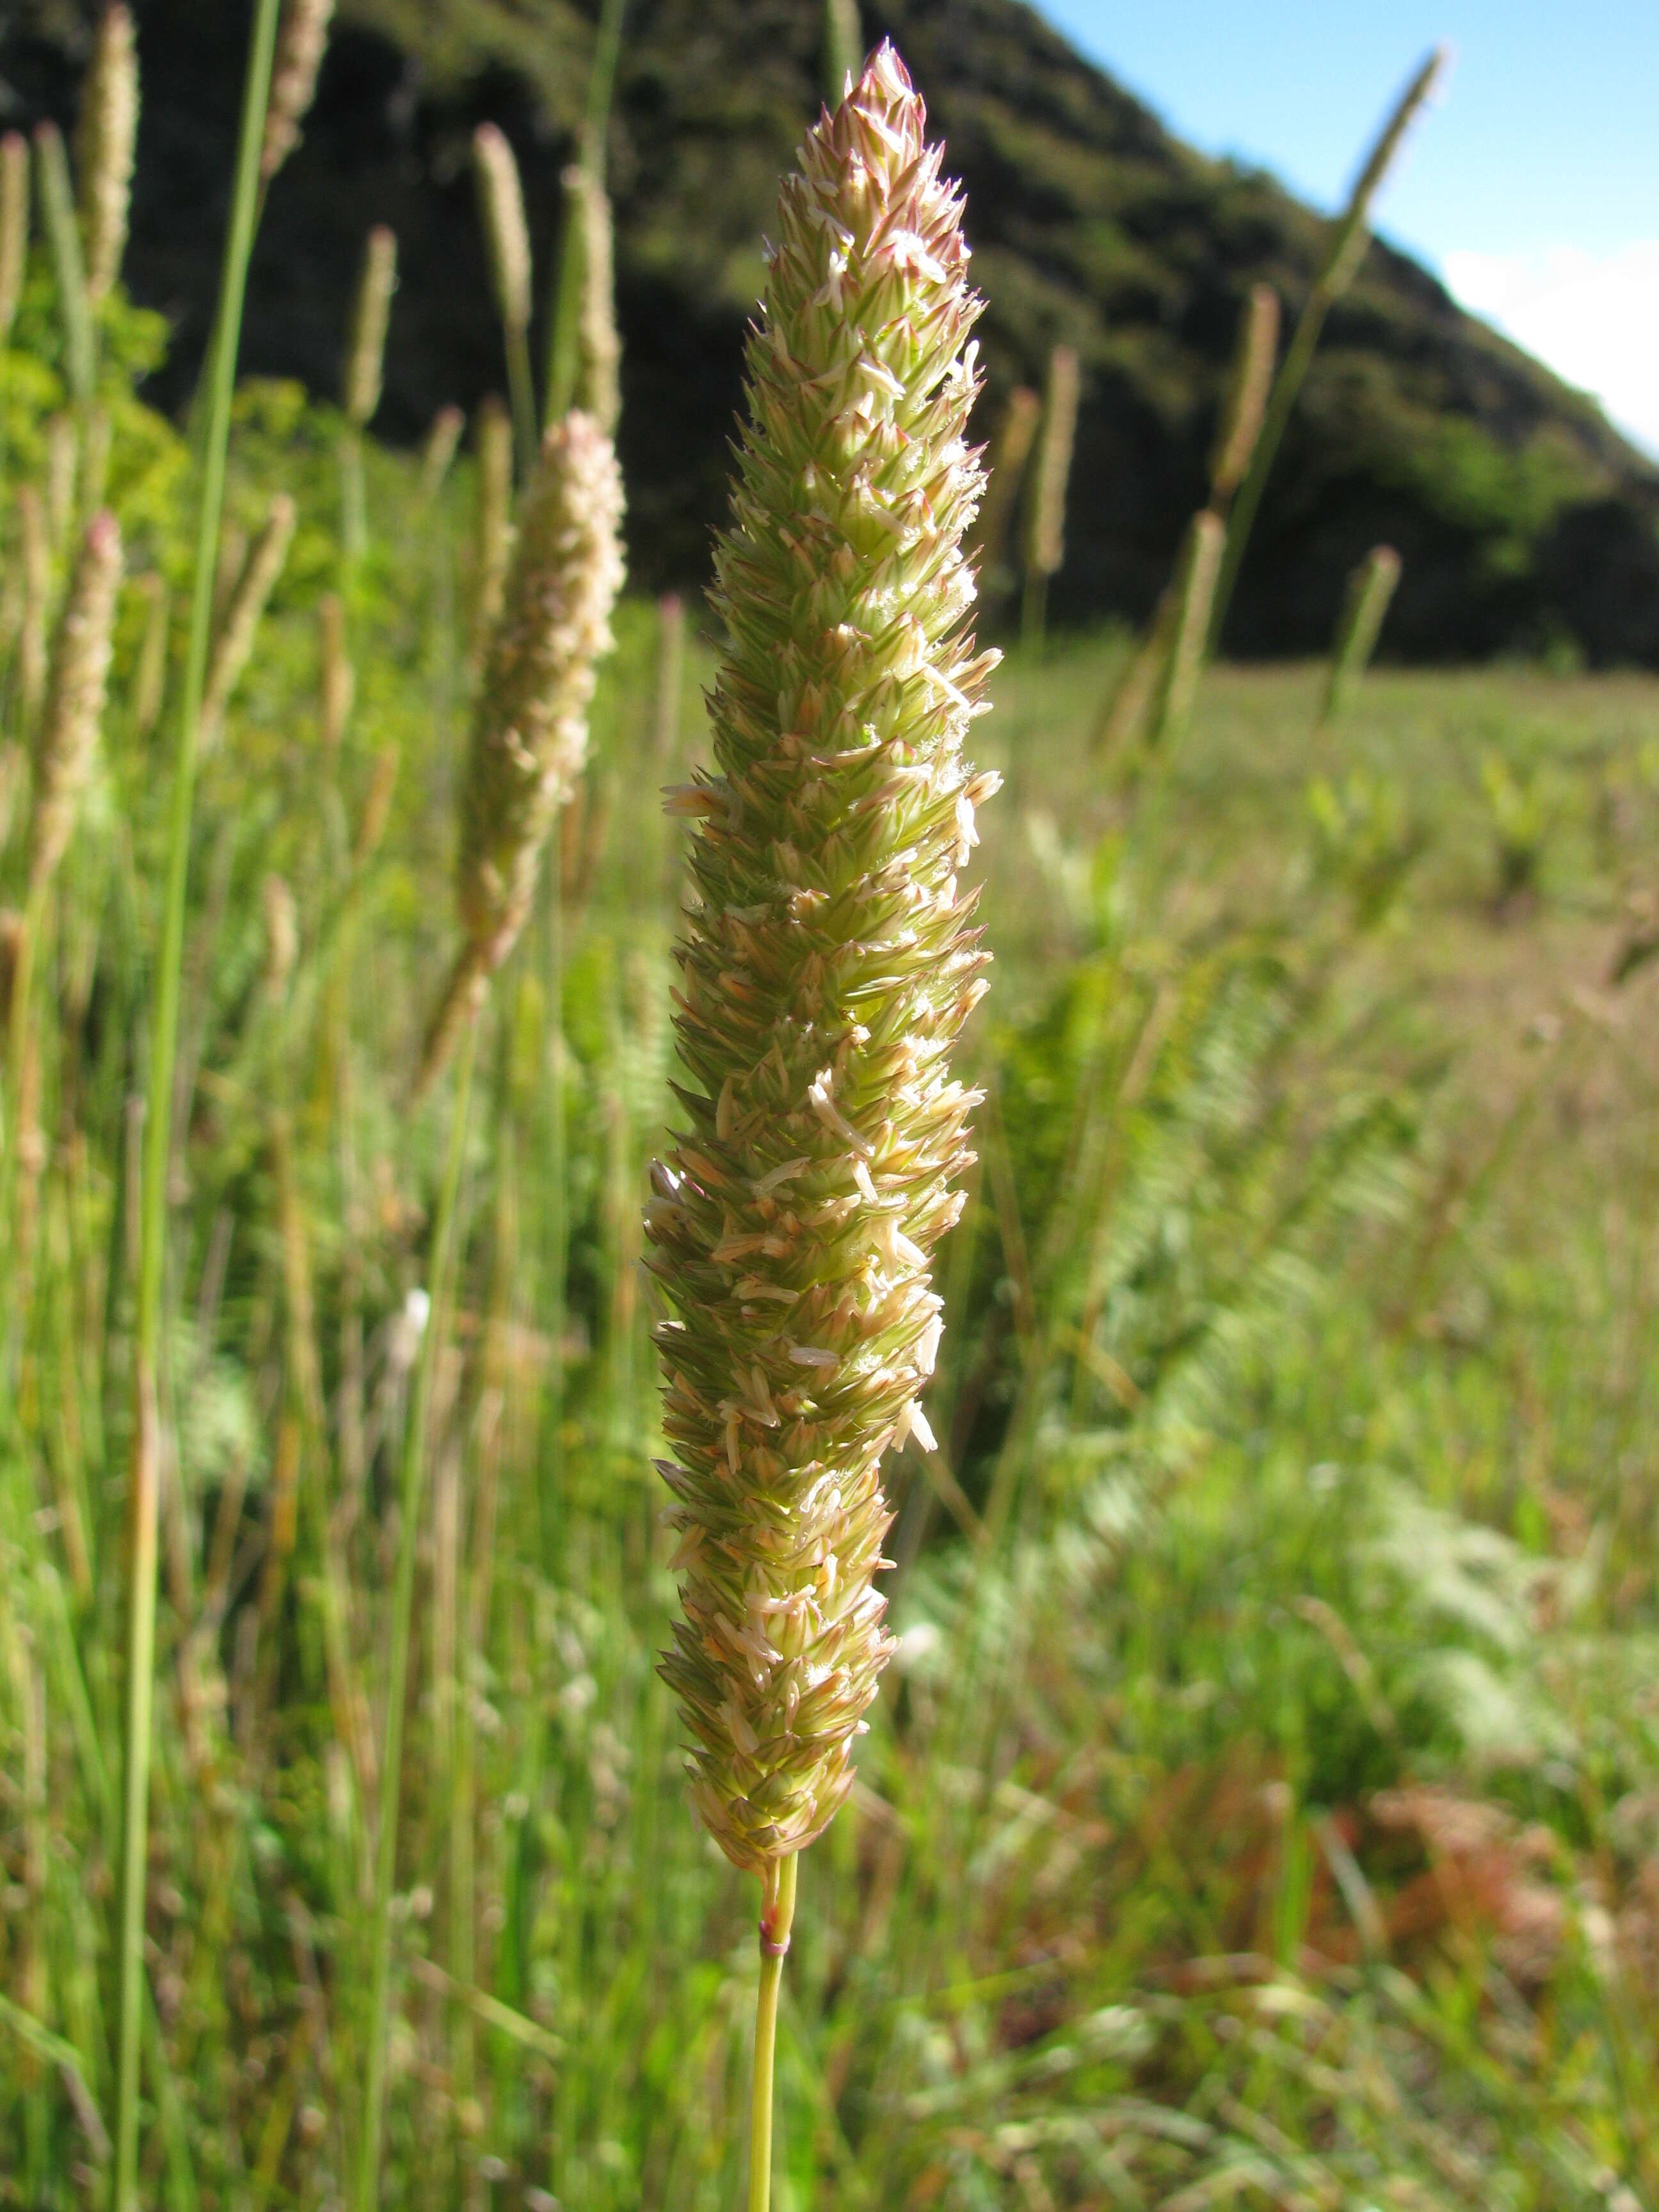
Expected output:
(1593, 318)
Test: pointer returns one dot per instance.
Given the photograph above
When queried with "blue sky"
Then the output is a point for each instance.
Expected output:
(1533, 187)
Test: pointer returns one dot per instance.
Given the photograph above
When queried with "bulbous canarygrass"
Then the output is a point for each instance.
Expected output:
(506, 234)
(104, 146)
(301, 36)
(77, 684)
(529, 735)
(827, 967)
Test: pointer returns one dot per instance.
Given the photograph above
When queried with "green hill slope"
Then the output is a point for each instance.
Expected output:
(1524, 519)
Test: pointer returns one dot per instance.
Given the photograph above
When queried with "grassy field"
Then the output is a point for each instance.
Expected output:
(1262, 1808)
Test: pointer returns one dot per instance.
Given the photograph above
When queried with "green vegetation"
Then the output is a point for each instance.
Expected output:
(1521, 516)
(1260, 1808)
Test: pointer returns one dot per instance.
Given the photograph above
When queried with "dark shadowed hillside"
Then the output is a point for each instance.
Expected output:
(1523, 519)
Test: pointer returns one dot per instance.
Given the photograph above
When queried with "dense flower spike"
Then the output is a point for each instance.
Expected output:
(75, 688)
(104, 146)
(300, 37)
(530, 726)
(828, 969)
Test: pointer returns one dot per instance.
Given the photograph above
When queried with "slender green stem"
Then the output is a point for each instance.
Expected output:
(412, 1482)
(354, 508)
(1345, 249)
(521, 384)
(140, 1641)
(777, 1916)
(552, 1491)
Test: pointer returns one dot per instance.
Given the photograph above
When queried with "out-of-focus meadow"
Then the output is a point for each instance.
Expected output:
(1263, 1805)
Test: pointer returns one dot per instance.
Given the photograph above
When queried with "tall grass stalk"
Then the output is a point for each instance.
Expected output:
(1190, 636)
(139, 1644)
(69, 266)
(106, 141)
(14, 227)
(1365, 609)
(564, 320)
(1051, 471)
(411, 1488)
(843, 48)
(507, 237)
(825, 1135)
(1348, 238)
(362, 374)
(1011, 449)
(300, 44)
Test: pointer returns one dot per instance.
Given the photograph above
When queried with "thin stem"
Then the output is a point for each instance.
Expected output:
(557, 1228)
(521, 385)
(411, 1485)
(777, 1916)
(140, 1640)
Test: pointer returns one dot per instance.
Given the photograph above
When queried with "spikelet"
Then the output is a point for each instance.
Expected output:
(1247, 395)
(598, 347)
(75, 687)
(302, 35)
(506, 234)
(827, 970)
(337, 679)
(1365, 605)
(13, 227)
(371, 313)
(443, 439)
(104, 144)
(492, 545)
(233, 645)
(530, 727)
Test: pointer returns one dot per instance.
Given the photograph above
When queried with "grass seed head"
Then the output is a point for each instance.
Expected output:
(493, 521)
(827, 968)
(75, 688)
(337, 679)
(13, 226)
(529, 735)
(106, 142)
(443, 439)
(301, 36)
(506, 234)
(281, 922)
(1246, 394)
(530, 730)
(232, 646)
(371, 313)
(598, 346)
(1045, 541)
